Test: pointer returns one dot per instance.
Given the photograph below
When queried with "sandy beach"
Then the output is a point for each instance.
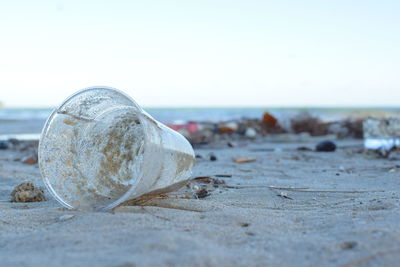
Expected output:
(199, 133)
(287, 208)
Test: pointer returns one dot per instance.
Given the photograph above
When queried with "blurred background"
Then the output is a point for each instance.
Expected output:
(201, 60)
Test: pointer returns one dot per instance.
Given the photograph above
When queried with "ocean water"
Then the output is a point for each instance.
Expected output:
(171, 115)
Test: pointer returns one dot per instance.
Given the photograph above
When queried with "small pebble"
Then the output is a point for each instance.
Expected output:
(213, 157)
(4, 145)
(326, 146)
(27, 192)
(66, 217)
(250, 233)
(348, 245)
(230, 144)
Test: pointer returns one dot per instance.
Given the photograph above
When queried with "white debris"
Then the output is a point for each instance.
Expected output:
(381, 134)
(66, 217)
(250, 133)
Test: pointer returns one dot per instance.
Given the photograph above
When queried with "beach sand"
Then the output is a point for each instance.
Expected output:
(250, 225)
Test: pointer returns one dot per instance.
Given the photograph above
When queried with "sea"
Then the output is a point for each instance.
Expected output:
(216, 114)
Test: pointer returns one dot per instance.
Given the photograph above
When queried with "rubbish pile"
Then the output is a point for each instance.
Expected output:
(303, 125)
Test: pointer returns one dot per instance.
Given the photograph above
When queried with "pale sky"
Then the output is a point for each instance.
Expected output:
(203, 53)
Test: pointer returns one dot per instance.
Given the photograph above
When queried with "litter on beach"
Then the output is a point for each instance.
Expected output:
(99, 149)
(244, 160)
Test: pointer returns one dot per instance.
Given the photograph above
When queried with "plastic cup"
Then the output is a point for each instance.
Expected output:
(381, 134)
(99, 148)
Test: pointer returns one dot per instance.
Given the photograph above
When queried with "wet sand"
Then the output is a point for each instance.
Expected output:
(347, 213)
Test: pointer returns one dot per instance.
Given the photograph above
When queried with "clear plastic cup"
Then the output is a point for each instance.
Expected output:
(99, 148)
(381, 134)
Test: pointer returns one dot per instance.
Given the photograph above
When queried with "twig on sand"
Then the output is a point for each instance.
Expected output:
(150, 201)
(302, 189)
(171, 206)
(278, 171)
(170, 192)
(370, 257)
(306, 190)
(157, 216)
(142, 200)
(286, 188)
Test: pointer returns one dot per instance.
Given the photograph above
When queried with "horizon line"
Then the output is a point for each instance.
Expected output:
(235, 107)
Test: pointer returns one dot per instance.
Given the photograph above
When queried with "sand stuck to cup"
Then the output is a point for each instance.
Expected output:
(99, 149)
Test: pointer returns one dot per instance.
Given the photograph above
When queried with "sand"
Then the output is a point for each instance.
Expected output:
(254, 226)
